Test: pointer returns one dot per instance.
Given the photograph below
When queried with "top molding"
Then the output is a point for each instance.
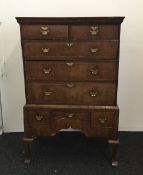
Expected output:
(70, 20)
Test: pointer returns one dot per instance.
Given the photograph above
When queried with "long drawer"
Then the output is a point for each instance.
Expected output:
(43, 49)
(70, 70)
(71, 93)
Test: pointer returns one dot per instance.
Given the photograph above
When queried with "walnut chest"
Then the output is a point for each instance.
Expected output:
(71, 77)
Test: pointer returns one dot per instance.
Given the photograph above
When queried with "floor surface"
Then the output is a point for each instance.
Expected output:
(71, 154)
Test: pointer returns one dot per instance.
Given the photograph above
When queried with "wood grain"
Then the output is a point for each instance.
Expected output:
(71, 77)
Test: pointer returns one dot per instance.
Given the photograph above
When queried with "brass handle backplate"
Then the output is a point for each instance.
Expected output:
(69, 44)
(45, 50)
(94, 71)
(94, 30)
(44, 30)
(70, 85)
(93, 93)
(44, 27)
(102, 120)
(69, 64)
(39, 117)
(48, 93)
(93, 50)
(47, 71)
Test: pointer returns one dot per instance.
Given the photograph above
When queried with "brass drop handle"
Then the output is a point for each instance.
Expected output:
(102, 120)
(70, 115)
(45, 50)
(44, 27)
(70, 85)
(69, 64)
(93, 93)
(44, 30)
(94, 30)
(94, 71)
(69, 44)
(39, 117)
(48, 93)
(93, 50)
(47, 71)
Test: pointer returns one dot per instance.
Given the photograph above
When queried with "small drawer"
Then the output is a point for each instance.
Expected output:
(37, 116)
(104, 119)
(44, 32)
(95, 32)
(70, 70)
(97, 50)
(69, 119)
(72, 93)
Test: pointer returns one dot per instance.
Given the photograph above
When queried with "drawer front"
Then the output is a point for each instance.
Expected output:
(103, 119)
(94, 32)
(70, 71)
(71, 93)
(67, 119)
(37, 117)
(36, 122)
(44, 32)
(103, 49)
(105, 122)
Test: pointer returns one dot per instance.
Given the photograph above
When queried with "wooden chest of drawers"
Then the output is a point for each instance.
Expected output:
(71, 77)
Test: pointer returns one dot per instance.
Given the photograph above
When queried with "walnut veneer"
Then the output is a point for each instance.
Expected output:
(71, 77)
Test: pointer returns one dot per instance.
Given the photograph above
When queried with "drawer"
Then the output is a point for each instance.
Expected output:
(95, 32)
(36, 121)
(42, 50)
(44, 32)
(103, 119)
(71, 93)
(105, 122)
(36, 117)
(70, 71)
(69, 119)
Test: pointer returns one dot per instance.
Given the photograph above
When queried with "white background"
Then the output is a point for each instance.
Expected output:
(130, 90)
